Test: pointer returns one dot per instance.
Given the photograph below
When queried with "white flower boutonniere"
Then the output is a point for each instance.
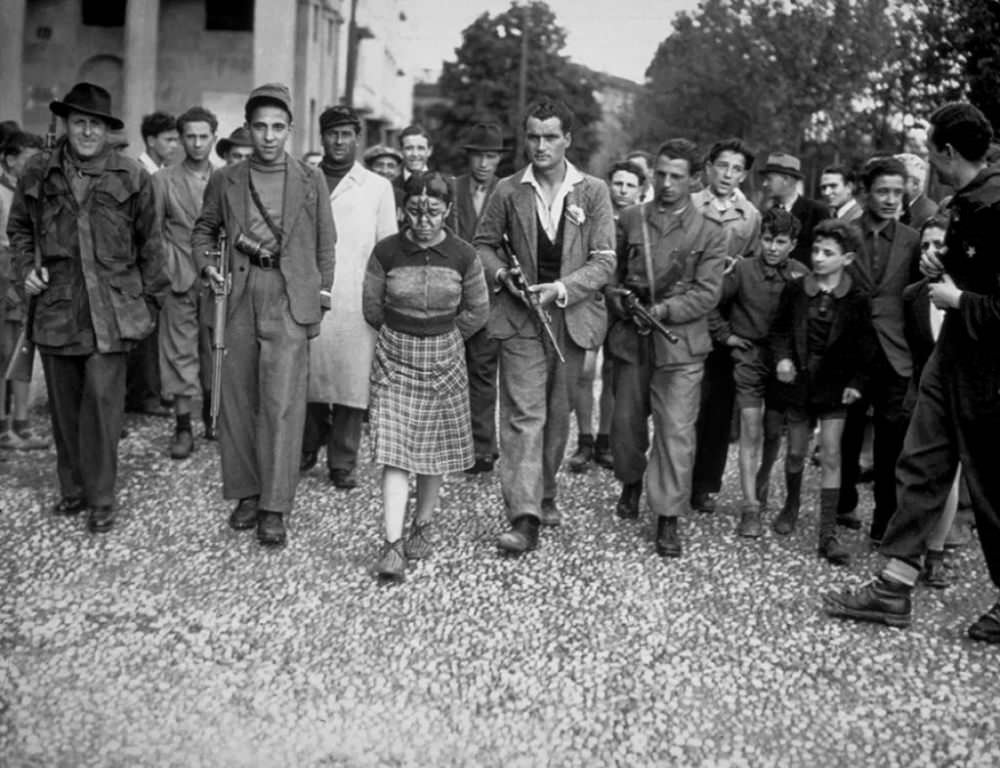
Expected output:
(575, 214)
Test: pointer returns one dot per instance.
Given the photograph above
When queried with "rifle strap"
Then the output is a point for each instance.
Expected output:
(275, 229)
(647, 253)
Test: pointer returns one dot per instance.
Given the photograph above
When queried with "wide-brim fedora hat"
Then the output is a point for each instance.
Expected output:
(484, 137)
(782, 162)
(87, 99)
(238, 138)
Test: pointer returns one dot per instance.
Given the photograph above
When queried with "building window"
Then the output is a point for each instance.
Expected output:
(229, 15)
(104, 13)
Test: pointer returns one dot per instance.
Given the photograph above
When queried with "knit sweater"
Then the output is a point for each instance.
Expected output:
(425, 291)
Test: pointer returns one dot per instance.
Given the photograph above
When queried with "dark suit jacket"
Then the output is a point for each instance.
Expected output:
(307, 248)
(809, 213)
(588, 257)
(918, 212)
(849, 346)
(887, 296)
(464, 218)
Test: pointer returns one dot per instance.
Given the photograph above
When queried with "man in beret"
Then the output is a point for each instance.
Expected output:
(83, 229)
(484, 148)
(364, 212)
(275, 214)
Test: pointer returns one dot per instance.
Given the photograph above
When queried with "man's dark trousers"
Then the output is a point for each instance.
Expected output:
(944, 429)
(481, 356)
(339, 429)
(715, 418)
(87, 403)
(886, 394)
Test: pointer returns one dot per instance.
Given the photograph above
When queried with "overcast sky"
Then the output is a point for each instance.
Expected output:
(615, 36)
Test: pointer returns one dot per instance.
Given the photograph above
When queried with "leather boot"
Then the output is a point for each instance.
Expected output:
(270, 528)
(602, 452)
(580, 461)
(829, 547)
(182, 445)
(522, 536)
(785, 522)
(627, 507)
(749, 526)
(668, 542)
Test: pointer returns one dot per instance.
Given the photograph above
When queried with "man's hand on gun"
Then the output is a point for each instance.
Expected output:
(645, 318)
(215, 278)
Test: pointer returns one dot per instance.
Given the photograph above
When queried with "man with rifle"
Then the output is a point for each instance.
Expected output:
(670, 260)
(275, 213)
(83, 229)
(546, 240)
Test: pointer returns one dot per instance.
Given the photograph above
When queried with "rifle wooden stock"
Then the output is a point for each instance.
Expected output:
(219, 328)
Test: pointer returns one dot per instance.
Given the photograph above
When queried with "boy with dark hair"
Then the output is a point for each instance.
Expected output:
(821, 340)
(887, 261)
(159, 134)
(750, 295)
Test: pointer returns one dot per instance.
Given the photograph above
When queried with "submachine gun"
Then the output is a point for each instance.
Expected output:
(641, 316)
(517, 285)
(221, 297)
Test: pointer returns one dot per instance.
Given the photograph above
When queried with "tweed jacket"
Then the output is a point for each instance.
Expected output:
(902, 269)
(104, 256)
(588, 257)
(177, 210)
(307, 250)
(741, 221)
(688, 255)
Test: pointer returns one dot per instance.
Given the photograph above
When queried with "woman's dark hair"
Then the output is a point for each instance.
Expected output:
(431, 184)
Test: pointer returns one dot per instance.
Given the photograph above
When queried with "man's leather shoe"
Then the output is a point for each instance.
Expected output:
(244, 517)
(270, 528)
(522, 536)
(879, 600)
(308, 460)
(344, 478)
(703, 502)
(100, 519)
(550, 514)
(182, 445)
(750, 526)
(483, 464)
(668, 542)
(627, 507)
(986, 629)
(580, 461)
(69, 506)
(934, 573)
(834, 552)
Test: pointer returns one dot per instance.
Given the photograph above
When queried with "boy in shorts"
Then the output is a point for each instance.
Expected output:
(822, 340)
(750, 295)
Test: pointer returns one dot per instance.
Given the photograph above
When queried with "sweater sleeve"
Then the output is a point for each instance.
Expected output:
(474, 307)
(373, 291)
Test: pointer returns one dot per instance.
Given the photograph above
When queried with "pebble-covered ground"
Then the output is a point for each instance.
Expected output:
(175, 641)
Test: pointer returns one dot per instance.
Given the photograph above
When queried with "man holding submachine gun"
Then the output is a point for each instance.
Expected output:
(275, 212)
(670, 264)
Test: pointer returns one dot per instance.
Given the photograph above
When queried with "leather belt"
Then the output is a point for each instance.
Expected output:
(265, 260)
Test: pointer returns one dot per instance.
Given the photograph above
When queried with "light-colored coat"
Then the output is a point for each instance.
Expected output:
(364, 211)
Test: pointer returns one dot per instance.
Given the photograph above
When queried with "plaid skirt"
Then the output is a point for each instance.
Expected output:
(419, 403)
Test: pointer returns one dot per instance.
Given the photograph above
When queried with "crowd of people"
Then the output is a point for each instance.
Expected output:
(466, 318)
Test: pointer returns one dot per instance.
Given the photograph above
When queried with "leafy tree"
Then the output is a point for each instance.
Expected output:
(482, 82)
(971, 37)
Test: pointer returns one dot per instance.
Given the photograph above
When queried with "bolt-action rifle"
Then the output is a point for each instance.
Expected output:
(221, 297)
